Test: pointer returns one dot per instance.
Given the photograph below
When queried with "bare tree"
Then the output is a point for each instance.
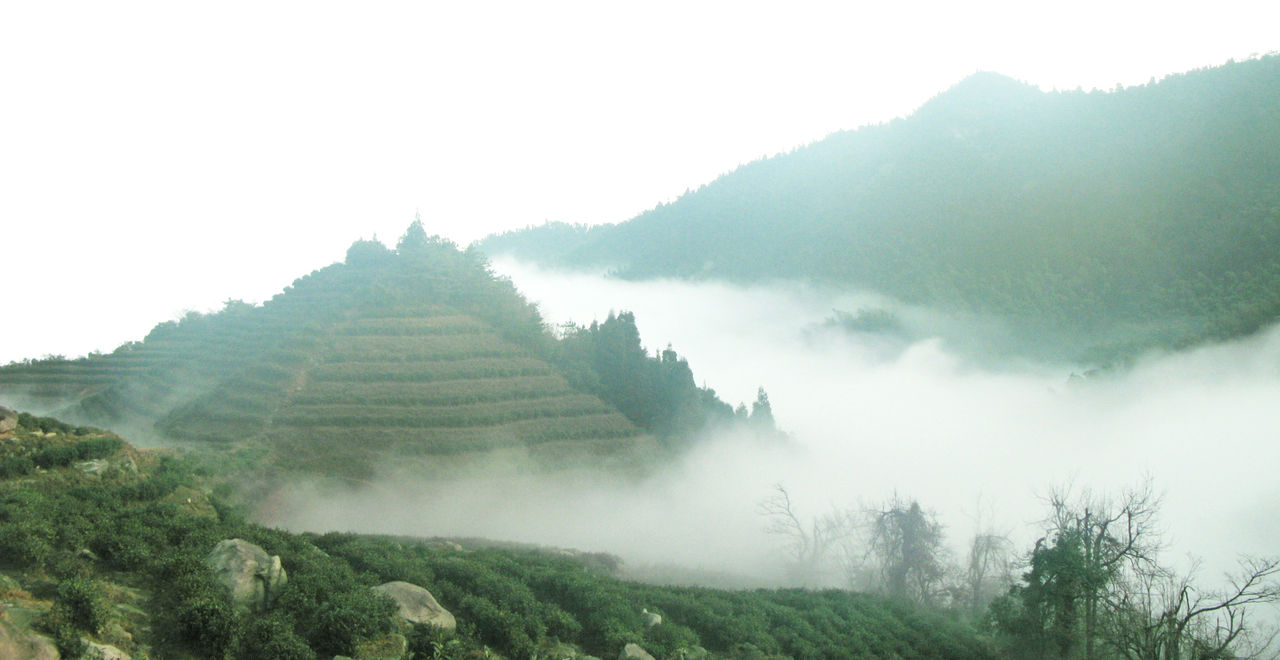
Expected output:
(987, 573)
(1162, 616)
(807, 543)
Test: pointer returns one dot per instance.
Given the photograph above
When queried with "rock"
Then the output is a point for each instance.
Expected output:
(634, 652)
(93, 651)
(8, 419)
(254, 578)
(651, 619)
(18, 644)
(417, 605)
(95, 467)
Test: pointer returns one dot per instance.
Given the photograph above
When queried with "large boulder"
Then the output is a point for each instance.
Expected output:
(634, 652)
(417, 605)
(8, 419)
(254, 578)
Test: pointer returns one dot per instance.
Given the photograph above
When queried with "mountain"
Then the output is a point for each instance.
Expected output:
(1094, 223)
(411, 357)
(105, 544)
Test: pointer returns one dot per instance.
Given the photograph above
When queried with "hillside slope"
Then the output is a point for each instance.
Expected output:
(1144, 216)
(412, 356)
(104, 543)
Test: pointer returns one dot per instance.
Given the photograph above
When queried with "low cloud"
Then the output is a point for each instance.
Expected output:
(967, 440)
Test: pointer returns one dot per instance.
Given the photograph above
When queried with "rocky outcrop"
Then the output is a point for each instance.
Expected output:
(93, 651)
(634, 652)
(18, 644)
(8, 419)
(254, 578)
(417, 605)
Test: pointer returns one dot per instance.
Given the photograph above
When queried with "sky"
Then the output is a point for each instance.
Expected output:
(162, 157)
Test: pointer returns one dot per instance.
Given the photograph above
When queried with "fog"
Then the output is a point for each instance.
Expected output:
(975, 443)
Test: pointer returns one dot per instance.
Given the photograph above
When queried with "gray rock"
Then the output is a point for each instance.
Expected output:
(95, 467)
(634, 652)
(94, 651)
(8, 419)
(417, 605)
(651, 619)
(254, 578)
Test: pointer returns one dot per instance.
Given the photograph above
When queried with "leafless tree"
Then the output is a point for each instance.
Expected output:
(987, 573)
(808, 543)
(1163, 616)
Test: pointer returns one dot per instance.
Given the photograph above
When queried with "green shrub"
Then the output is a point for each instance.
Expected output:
(83, 602)
(350, 617)
(15, 466)
(271, 637)
(206, 622)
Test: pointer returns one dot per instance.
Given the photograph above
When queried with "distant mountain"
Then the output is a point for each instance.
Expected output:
(1097, 223)
(412, 356)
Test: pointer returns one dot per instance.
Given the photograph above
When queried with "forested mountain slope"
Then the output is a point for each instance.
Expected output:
(410, 356)
(1146, 215)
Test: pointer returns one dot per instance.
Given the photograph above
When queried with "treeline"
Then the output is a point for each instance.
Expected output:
(1091, 221)
(657, 392)
(1093, 586)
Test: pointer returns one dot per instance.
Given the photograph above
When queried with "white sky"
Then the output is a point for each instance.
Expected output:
(156, 157)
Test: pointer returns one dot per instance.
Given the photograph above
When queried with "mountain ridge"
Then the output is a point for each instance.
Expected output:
(1096, 222)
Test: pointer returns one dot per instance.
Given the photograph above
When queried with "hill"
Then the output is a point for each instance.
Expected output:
(412, 357)
(106, 544)
(1095, 223)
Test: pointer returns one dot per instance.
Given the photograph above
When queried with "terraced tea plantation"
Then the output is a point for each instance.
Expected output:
(406, 357)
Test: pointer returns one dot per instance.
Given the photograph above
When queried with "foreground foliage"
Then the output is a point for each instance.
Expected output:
(122, 550)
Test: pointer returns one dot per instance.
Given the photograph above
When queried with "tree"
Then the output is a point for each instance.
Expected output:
(1095, 588)
(807, 544)
(1164, 616)
(987, 572)
(761, 411)
(1112, 535)
(1091, 543)
(907, 545)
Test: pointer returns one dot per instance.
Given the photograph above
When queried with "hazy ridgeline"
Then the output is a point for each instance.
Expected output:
(979, 443)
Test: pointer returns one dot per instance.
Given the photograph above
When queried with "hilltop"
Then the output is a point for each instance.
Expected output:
(1095, 224)
(416, 357)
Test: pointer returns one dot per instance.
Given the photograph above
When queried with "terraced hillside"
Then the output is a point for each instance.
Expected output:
(407, 356)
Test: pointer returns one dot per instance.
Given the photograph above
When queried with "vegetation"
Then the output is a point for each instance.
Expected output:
(124, 558)
(1098, 223)
(656, 392)
(420, 350)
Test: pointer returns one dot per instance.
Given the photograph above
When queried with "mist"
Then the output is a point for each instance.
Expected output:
(979, 444)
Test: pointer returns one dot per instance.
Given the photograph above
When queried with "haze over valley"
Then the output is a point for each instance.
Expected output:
(996, 379)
